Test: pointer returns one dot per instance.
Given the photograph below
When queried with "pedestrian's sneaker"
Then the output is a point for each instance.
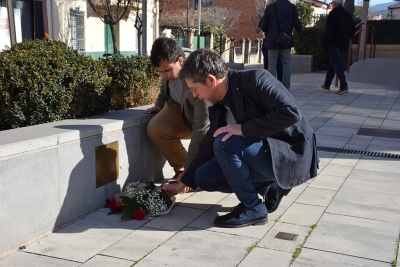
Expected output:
(324, 88)
(242, 216)
(342, 91)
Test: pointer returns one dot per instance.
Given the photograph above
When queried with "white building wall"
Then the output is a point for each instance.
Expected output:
(128, 35)
(58, 15)
(94, 31)
(395, 13)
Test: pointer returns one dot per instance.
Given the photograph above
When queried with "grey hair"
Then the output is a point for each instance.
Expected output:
(339, 2)
(201, 63)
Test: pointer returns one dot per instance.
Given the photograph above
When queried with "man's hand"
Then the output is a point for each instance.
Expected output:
(174, 189)
(152, 110)
(230, 129)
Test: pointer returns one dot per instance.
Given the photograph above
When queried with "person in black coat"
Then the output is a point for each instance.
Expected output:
(339, 31)
(264, 50)
(288, 17)
(257, 136)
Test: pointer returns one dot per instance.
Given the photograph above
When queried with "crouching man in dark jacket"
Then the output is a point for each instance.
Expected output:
(257, 136)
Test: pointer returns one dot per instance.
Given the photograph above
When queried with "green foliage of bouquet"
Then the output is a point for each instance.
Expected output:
(141, 198)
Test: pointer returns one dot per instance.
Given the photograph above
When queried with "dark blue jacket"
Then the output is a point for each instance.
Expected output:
(339, 28)
(269, 112)
(288, 19)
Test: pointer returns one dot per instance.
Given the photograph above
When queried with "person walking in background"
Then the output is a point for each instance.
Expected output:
(264, 49)
(179, 114)
(257, 136)
(281, 15)
(339, 31)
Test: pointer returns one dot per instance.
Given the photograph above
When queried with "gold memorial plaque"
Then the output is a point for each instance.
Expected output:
(107, 164)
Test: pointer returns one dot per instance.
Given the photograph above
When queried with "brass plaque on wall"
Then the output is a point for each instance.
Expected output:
(107, 164)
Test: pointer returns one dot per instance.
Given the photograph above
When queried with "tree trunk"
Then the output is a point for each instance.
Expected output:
(349, 7)
(112, 28)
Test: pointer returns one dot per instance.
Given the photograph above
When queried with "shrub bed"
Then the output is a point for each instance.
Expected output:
(44, 81)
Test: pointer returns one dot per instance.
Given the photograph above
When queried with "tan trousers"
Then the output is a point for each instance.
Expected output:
(165, 130)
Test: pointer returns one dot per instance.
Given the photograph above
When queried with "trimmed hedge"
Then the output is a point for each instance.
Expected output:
(310, 42)
(133, 81)
(386, 31)
(44, 81)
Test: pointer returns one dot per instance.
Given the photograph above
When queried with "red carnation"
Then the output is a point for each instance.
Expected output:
(139, 214)
(113, 205)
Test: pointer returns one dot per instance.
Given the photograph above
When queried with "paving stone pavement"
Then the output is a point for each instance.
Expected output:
(349, 215)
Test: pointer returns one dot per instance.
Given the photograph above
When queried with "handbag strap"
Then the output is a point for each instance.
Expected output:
(277, 18)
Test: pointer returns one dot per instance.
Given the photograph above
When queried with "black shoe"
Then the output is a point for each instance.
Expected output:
(242, 216)
(271, 206)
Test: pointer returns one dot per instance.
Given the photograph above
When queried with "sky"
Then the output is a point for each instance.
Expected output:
(376, 2)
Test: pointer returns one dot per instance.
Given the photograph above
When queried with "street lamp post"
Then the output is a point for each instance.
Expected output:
(198, 31)
(11, 22)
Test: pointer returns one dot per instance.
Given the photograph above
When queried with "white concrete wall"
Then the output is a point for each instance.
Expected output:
(48, 171)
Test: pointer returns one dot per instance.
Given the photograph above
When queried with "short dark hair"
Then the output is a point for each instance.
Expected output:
(202, 62)
(165, 48)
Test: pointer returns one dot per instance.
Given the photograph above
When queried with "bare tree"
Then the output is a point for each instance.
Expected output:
(111, 12)
(224, 19)
(137, 8)
(260, 7)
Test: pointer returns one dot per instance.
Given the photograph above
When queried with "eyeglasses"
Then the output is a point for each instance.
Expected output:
(193, 90)
(167, 71)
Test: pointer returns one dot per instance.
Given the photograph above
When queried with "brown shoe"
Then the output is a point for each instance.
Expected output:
(176, 179)
(324, 88)
(342, 91)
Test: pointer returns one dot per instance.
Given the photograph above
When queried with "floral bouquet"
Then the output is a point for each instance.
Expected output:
(140, 199)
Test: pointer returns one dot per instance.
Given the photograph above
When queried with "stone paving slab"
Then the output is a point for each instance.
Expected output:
(359, 142)
(106, 262)
(346, 159)
(386, 145)
(337, 170)
(331, 141)
(20, 258)
(269, 240)
(203, 200)
(193, 247)
(316, 196)
(318, 258)
(377, 164)
(336, 131)
(359, 237)
(206, 221)
(370, 205)
(138, 244)
(386, 183)
(328, 182)
(266, 257)
(176, 219)
(85, 238)
(302, 214)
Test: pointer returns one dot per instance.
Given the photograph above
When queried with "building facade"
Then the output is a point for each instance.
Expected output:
(247, 8)
(75, 23)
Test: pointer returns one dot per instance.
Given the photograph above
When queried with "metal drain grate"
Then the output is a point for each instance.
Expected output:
(358, 152)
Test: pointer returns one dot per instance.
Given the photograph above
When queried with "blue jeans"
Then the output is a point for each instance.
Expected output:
(238, 167)
(279, 69)
(335, 66)
(286, 58)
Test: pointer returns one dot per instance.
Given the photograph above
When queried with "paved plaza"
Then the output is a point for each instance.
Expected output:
(349, 215)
